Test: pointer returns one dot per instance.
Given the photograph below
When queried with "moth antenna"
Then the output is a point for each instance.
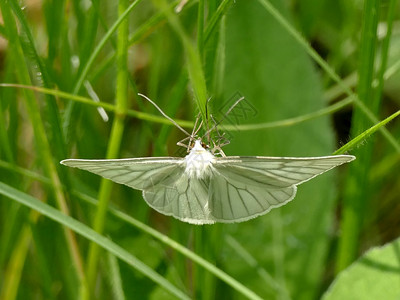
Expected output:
(194, 132)
(233, 106)
(227, 113)
(193, 136)
(164, 114)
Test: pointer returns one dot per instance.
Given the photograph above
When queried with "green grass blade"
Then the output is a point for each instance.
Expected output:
(150, 231)
(356, 199)
(152, 24)
(193, 60)
(90, 61)
(115, 137)
(115, 277)
(7, 149)
(107, 106)
(42, 142)
(51, 111)
(391, 11)
(154, 233)
(90, 234)
(358, 140)
(101, 45)
(15, 265)
(216, 18)
(200, 28)
(303, 42)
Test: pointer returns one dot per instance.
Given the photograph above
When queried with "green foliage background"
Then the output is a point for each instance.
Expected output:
(318, 73)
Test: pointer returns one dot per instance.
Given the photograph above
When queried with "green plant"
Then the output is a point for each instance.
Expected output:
(57, 241)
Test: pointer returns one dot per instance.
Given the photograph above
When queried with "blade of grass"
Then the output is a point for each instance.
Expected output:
(216, 18)
(15, 265)
(18, 257)
(109, 107)
(219, 65)
(59, 49)
(356, 192)
(115, 277)
(320, 61)
(85, 69)
(152, 24)
(24, 172)
(300, 119)
(188, 124)
(155, 70)
(253, 263)
(181, 249)
(391, 11)
(331, 94)
(207, 240)
(2, 30)
(148, 230)
(6, 147)
(39, 246)
(356, 199)
(41, 140)
(352, 79)
(100, 46)
(87, 34)
(103, 23)
(176, 96)
(364, 135)
(200, 28)
(55, 135)
(91, 235)
(115, 138)
(193, 60)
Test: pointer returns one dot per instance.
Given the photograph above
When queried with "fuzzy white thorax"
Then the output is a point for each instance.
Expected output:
(198, 161)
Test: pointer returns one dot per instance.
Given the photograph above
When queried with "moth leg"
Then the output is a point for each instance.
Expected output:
(180, 143)
(192, 137)
(220, 141)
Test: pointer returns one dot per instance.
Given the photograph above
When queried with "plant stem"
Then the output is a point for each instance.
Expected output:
(356, 190)
(115, 139)
(41, 140)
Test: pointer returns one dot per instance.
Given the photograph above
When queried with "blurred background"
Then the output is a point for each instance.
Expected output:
(313, 74)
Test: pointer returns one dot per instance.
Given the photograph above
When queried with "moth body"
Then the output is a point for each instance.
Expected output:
(198, 163)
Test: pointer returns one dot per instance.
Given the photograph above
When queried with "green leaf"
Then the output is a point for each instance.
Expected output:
(272, 71)
(375, 276)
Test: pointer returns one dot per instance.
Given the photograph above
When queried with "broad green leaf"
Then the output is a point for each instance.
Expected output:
(272, 71)
(374, 276)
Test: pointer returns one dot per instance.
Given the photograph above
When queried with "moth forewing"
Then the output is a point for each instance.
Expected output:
(279, 171)
(137, 173)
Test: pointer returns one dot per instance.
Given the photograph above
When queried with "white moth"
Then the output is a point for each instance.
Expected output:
(203, 188)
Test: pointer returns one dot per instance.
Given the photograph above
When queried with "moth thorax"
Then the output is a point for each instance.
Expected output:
(198, 162)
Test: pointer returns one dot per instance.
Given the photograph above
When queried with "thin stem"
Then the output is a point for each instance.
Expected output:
(355, 198)
(42, 142)
(100, 46)
(320, 61)
(115, 138)
(193, 60)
